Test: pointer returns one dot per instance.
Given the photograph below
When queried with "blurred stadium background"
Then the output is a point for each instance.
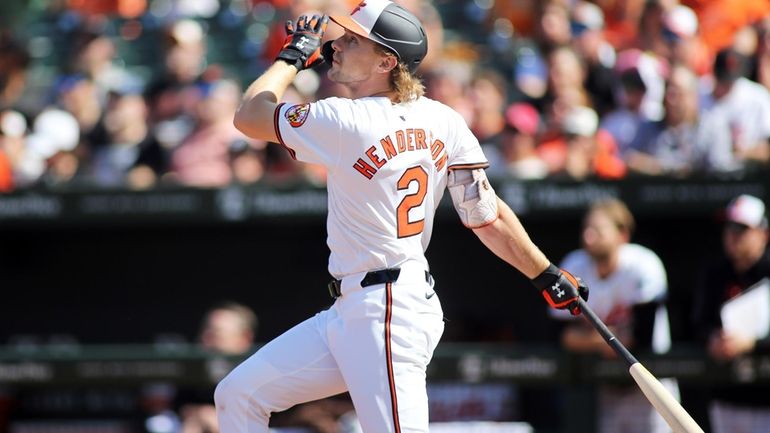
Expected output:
(129, 206)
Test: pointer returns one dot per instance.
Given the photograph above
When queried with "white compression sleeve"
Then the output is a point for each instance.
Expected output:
(473, 197)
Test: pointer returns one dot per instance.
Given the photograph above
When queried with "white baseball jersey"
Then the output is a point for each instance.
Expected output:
(640, 278)
(387, 166)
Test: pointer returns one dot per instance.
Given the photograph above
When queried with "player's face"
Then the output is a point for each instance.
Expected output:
(355, 59)
(601, 237)
(743, 243)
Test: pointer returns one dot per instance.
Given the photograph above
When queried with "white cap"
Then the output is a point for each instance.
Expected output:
(588, 14)
(59, 127)
(12, 124)
(681, 20)
(747, 210)
(581, 121)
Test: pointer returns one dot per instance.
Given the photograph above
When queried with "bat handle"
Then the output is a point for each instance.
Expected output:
(608, 336)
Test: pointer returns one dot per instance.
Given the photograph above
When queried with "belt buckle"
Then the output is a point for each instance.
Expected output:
(335, 291)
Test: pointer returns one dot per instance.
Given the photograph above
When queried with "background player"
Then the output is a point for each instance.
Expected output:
(745, 260)
(389, 153)
(629, 286)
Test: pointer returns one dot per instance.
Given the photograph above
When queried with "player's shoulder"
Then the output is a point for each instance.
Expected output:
(635, 255)
(435, 107)
(575, 261)
(632, 250)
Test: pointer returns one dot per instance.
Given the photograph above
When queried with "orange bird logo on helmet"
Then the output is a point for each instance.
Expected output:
(359, 7)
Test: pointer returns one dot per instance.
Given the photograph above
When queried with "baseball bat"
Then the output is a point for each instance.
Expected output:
(661, 399)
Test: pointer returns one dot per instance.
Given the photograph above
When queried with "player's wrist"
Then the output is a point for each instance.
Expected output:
(291, 57)
(546, 278)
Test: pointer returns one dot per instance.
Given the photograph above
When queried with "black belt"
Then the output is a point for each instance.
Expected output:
(371, 278)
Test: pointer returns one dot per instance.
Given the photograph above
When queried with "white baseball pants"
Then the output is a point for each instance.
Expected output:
(374, 342)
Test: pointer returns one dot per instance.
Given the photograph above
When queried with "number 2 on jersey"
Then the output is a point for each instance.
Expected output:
(405, 227)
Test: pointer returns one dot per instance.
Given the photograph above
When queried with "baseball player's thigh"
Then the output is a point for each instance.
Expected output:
(383, 349)
(294, 368)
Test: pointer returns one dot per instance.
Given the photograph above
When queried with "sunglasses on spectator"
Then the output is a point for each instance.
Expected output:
(735, 227)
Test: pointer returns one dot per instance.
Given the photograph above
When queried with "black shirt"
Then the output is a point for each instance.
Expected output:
(719, 284)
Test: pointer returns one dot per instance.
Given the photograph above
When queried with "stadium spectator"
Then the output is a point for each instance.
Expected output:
(78, 95)
(742, 408)
(680, 30)
(622, 20)
(173, 93)
(599, 56)
(14, 61)
(488, 94)
(126, 153)
(515, 153)
(653, 71)
(553, 25)
(623, 122)
(746, 105)
(649, 32)
(203, 158)
(579, 152)
(447, 84)
(629, 288)
(247, 161)
(93, 56)
(685, 141)
(50, 151)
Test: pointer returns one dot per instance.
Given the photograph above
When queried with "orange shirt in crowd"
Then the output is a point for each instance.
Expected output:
(6, 175)
(124, 8)
(606, 163)
(720, 19)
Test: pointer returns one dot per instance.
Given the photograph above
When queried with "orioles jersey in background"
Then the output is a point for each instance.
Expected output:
(387, 168)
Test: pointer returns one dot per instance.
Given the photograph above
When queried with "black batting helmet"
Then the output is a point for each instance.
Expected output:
(389, 25)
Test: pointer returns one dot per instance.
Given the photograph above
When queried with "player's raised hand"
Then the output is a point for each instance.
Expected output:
(302, 47)
(561, 289)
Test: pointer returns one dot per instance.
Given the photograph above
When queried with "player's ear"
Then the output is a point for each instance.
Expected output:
(388, 62)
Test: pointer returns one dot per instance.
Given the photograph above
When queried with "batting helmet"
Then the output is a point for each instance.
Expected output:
(389, 25)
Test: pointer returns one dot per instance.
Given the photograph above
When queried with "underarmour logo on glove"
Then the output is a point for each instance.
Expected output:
(559, 292)
(302, 41)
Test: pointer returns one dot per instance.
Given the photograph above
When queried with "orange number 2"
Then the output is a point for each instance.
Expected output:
(405, 227)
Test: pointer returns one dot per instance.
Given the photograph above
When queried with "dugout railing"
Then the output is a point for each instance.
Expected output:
(28, 374)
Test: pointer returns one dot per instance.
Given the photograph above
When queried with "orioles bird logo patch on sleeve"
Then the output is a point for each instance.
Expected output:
(297, 114)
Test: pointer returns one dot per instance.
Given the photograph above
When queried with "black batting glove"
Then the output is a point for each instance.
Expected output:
(561, 289)
(302, 48)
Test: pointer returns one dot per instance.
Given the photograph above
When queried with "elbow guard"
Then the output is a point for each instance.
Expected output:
(473, 197)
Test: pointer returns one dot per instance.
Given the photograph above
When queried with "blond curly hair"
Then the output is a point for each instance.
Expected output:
(407, 86)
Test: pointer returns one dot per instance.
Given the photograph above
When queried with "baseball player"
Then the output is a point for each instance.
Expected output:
(629, 284)
(390, 153)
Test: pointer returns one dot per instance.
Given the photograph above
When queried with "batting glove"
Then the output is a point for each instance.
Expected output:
(302, 47)
(561, 289)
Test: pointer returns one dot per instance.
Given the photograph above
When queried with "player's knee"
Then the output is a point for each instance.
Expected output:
(241, 388)
(222, 393)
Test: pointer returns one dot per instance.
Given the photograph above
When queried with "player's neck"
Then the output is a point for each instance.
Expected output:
(607, 264)
(372, 88)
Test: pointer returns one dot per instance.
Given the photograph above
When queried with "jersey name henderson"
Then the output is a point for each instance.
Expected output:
(387, 167)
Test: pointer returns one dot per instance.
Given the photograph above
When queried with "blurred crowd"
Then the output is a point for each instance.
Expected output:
(140, 93)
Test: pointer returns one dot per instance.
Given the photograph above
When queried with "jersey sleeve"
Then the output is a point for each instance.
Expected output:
(651, 275)
(310, 132)
(467, 151)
